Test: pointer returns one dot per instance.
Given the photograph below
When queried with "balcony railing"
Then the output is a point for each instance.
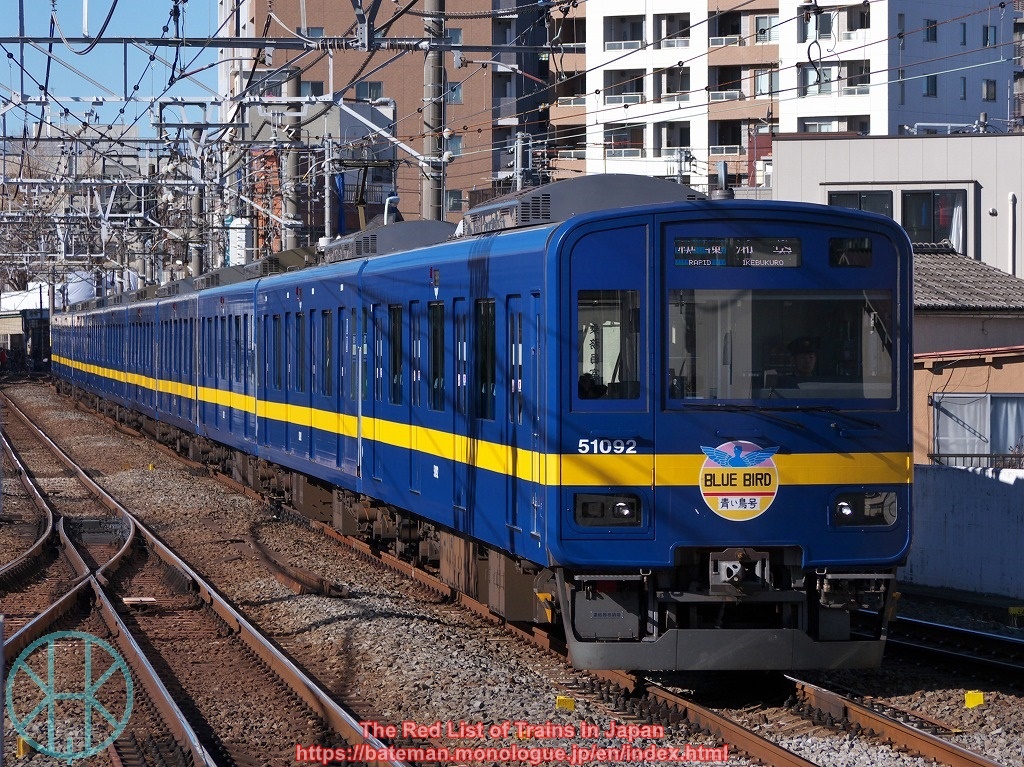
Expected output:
(726, 149)
(622, 45)
(979, 460)
(724, 95)
(675, 42)
(718, 42)
(572, 101)
(624, 98)
(856, 90)
(572, 154)
(675, 97)
(624, 152)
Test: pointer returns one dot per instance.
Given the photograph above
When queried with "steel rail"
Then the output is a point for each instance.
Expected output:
(37, 548)
(87, 590)
(733, 733)
(312, 694)
(899, 734)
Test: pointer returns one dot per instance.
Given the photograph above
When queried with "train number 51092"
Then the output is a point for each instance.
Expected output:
(607, 446)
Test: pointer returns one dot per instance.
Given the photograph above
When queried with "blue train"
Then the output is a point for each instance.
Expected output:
(680, 427)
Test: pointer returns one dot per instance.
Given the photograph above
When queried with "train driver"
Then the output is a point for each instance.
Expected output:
(803, 352)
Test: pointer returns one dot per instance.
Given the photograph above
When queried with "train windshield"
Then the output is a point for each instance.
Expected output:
(779, 345)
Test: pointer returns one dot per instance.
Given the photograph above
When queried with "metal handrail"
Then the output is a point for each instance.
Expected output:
(978, 460)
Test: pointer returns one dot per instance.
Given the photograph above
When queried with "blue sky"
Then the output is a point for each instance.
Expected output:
(101, 71)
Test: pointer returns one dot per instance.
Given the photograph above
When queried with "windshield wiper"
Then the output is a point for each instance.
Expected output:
(768, 412)
(869, 426)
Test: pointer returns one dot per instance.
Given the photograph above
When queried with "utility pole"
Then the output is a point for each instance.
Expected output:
(196, 244)
(289, 185)
(523, 159)
(432, 205)
(328, 196)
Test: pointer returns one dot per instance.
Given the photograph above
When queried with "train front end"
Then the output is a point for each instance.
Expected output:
(735, 435)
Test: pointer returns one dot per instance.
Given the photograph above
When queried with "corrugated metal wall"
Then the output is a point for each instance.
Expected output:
(968, 530)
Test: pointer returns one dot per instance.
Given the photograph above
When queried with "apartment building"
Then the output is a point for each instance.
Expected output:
(674, 90)
(490, 97)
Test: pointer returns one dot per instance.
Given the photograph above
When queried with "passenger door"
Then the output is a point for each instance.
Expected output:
(608, 436)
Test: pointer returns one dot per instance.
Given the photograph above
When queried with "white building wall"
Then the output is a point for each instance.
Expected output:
(886, 104)
(649, 58)
(988, 167)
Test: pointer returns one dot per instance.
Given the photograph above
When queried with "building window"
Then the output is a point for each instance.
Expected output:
(453, 200)
(818, 126)
(454, 34)
(766, 82)
(978, 425)
(857, 18)
(988, 36)
(817, 27)
(767, 29)
(453, 144)
(936, 216)
(963, 33)
(930, 86)
(368, 90)
(988, 90)
(815, 81)
(858, 77)
(963, 89)
(310, 32)
(311, 88)
(874, 202)
(931, 30)
(454, 94)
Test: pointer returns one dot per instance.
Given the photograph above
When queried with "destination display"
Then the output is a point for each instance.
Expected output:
(771, 252)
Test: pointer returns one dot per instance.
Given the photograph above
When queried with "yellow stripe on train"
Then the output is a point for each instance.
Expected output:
(590, 470)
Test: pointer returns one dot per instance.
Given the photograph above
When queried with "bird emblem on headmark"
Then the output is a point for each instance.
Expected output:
(737, 459)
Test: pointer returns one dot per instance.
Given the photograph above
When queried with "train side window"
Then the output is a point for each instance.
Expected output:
(515, 357)
(224, 348)
(395, 352)
(435, 349)
(237, 349)
(326, 353)
(277, 351)
(416, 373)
(378, 353)
(485, 359)
(211, 345)
(300, 352)
(351, 334)
(367, 330)
(461, 351)
(608, 356)
(204, 344)
(248, 353)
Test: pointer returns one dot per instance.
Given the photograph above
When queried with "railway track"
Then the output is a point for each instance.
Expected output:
(36, 573)
(21, 521)
(640, 700)
(961, 650)
(959, 647)
(231, 692)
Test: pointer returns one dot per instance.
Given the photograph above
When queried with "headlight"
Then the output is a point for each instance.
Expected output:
(864, 509)
(619, 510)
